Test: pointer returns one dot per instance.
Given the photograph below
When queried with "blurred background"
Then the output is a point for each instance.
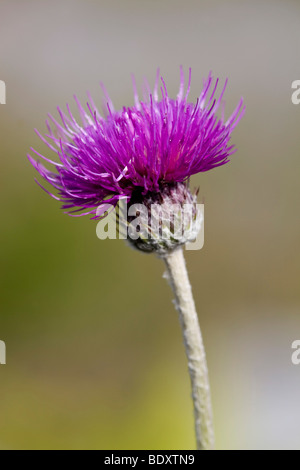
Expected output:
(94, 352)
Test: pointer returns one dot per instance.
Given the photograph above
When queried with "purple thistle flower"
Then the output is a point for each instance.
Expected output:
(141, 148)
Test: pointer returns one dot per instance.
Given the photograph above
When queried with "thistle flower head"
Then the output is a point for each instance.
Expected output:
(157, 141)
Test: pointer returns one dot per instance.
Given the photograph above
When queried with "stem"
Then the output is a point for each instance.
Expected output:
(178, 278)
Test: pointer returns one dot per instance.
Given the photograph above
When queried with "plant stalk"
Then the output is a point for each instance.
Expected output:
(178, 278)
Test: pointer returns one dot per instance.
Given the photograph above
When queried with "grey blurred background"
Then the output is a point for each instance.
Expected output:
(94, 352)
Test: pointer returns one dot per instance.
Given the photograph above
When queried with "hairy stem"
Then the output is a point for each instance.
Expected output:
(178, 278)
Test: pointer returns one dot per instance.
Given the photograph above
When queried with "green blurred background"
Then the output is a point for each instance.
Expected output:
(94, 352)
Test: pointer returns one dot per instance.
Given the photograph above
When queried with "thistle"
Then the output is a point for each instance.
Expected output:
(145, 155)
